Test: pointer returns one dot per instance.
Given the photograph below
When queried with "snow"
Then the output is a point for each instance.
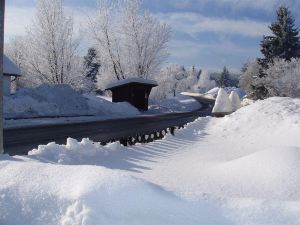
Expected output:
(214, 92)
(131, 80)
(208, 96)
(179, 103)
(61, 101)
(235, 100)
(222, 104)
(239, 169)
(42, 193)
(9, 68)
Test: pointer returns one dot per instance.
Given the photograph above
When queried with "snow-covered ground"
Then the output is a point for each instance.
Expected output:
(240, 169)
(179, 103)
(61, 101)
(57, 104)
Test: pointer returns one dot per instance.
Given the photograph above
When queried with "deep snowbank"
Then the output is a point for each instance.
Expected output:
(250, 153)
(60, 100)
(34, 193)
(248, 160)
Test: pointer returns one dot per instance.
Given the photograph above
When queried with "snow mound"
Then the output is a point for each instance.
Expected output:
(74, 152)
(98, 104)
(269, 174)
(223, 104)
(235, 101)
(256, 152)
(276, 119)
(36, 193)
(59, 101)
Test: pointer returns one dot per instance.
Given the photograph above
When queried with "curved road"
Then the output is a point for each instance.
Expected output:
(18, 141)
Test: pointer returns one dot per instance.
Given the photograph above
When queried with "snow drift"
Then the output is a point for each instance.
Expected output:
(246, 163)
(60, 100)
(34, 193)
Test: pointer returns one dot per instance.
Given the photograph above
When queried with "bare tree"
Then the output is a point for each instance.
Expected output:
(132, 43)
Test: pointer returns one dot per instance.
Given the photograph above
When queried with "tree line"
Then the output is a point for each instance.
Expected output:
(125, 41)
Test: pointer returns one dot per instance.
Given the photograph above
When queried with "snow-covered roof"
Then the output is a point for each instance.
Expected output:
(10, 68)
(131, 80)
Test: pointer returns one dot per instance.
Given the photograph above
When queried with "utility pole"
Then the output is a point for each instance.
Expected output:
(2, 11)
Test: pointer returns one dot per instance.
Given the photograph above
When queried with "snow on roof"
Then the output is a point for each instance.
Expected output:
(10, 68)
(131, 80)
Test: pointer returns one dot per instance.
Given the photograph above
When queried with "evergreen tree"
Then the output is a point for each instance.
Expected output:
(199, 74)
(284, 44)
(91, 65)
(224, 79)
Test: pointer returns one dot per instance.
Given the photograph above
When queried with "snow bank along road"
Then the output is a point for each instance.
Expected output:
(242, 169)
(18, 141)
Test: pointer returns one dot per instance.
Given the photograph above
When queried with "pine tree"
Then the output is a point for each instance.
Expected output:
(224, 79)
(91, 65)
(284, 44)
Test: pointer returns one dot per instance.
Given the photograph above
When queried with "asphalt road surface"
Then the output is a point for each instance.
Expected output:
(18, 141)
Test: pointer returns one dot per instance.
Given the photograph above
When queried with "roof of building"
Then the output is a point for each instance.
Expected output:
(10, 68)
(119, 83)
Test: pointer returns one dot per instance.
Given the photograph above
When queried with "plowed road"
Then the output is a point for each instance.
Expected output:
(18, 141)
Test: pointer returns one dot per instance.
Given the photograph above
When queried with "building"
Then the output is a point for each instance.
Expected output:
(10, 71)
(136, 91)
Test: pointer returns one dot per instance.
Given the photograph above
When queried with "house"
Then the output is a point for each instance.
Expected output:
(10, 72)
(136, 91)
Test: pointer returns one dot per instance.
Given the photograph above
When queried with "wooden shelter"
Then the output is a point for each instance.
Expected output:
(136, 91)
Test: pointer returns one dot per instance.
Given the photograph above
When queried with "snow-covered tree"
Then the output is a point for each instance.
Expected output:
(91, 67)
(249, 78)
(224, 79)
(49, 48)
(131, 42)
(193, 76)
(283, 78)
(285, 41)
(175, 79)
(283, 44)
(205, 83)
(172, 80)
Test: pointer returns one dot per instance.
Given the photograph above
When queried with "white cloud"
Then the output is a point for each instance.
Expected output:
(193, 23)
(16, 20)
(265, 5)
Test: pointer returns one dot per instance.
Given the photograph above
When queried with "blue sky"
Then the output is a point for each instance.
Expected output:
(206, 33)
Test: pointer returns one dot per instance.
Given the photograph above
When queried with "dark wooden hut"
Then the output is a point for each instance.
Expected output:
(136, 91)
